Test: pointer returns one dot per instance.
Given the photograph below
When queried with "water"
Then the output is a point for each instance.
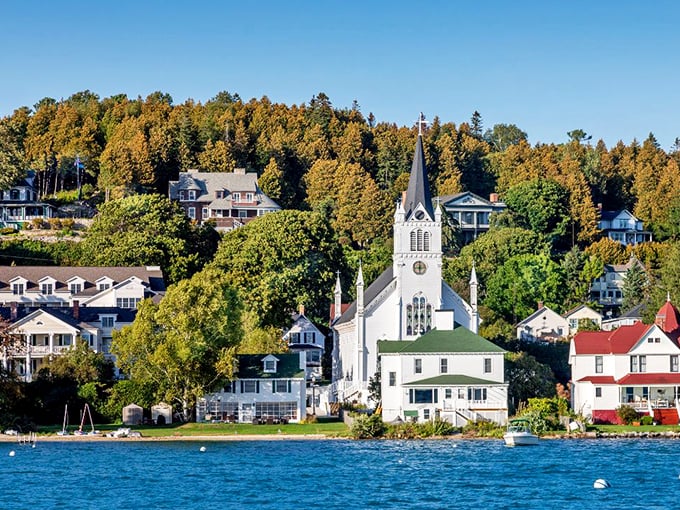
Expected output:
(340, 475)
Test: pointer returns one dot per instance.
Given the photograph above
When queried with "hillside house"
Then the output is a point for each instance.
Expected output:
(623, 227)
(228, 199)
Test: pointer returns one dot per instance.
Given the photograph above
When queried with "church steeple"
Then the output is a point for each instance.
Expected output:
(418, 191)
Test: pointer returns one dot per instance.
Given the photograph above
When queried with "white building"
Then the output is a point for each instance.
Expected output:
(623, 227)
(268, 388)
(40, 333)
(546, 325)
(400, 304)
(471, 213)
(636, 365)
(303, 335)
(608, 289)
(48, 286)
(452, 374)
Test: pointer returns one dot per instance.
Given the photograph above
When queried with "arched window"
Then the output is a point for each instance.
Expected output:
(418, 316)
(420, 240)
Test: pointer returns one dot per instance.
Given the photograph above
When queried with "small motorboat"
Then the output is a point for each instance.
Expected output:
(519, 434)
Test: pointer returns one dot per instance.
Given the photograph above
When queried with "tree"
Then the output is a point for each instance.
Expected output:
(147, 230)
(279, 262)
(259, 340)
(11, 166)
(80, 364)
(521, 282)
(541, 205)
(185, 345)
(501, 136)
(635, 286)
(527, 378)
(578, 135)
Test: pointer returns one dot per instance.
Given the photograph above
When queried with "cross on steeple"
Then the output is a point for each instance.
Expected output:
(421, 122)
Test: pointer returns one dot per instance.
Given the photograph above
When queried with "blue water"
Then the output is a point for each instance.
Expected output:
(340, 475)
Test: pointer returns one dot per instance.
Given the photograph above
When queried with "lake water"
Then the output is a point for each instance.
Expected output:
(344, 475)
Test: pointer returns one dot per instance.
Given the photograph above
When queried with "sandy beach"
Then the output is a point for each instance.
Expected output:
(230, 437)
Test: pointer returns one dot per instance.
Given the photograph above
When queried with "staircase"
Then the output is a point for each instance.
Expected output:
(666, 416)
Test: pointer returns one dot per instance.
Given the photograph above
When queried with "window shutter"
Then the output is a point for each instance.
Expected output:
(289, 389)
(242, 387)
(273, 386)
(257, 386)
(436, 396)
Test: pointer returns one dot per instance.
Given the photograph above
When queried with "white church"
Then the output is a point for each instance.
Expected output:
(432, 361)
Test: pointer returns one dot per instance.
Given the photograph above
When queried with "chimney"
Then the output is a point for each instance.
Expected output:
(599, 207)
(493, 198)
(13, 310)
(76, 310)
(301, 309)
(540, 305)
(403, 198)
(240, 171)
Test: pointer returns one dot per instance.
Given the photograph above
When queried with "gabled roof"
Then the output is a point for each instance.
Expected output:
(538, 313)
(667, 319)
(451, 380)
(463, 198)
(612, 215)
(86, 314)
(457, 340)
(370, 294)
(577, 308)
(149, 274)
(418, 191)
(251, 366)
(619, 341)
(598, 379)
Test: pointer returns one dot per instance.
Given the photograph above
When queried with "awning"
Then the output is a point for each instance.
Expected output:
(410, 413)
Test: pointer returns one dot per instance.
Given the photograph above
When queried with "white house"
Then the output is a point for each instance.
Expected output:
(544, 325)
(268, 388)
(452, 374)
(40, 333)
(303, 335)
(228, 199)
(625, 319)
(48, 286)
(607, 290)
(20, 203)
(636, 365)
(400, 304)
(582, 313)
(623, 227)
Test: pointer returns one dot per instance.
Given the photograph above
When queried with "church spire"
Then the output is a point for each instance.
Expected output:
(418, 191)
(338, 298)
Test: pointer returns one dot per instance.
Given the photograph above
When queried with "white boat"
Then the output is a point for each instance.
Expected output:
(519, 434)
(64, 427)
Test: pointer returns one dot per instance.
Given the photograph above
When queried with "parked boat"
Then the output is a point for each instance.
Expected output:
(64, 427)
(80, 431)
(519, 434)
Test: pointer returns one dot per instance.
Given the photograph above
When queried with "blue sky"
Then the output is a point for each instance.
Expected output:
(609, 68)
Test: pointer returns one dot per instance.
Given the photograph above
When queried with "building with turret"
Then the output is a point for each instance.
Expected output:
(405, 305)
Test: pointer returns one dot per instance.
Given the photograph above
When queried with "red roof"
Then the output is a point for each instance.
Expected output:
(598, 379)
(619, 341)
(647, 378)
(343, 307)
(667, 319)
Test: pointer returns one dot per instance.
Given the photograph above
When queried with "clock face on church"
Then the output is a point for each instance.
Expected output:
(419, 267)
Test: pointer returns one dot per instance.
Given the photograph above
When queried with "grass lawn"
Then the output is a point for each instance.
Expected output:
(325, 427)
(618, 429)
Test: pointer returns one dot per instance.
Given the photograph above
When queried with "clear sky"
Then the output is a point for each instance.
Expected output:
(610, 68)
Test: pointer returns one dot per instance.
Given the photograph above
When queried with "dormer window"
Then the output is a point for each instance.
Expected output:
(46, 289)
(107, 321)
(269, 364)
(76, 288)
(104, 286)
(17, 288)
(192, 194)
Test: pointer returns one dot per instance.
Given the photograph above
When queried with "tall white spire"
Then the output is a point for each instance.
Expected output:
(338, 297)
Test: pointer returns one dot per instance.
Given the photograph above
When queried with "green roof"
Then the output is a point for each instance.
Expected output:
(251, 366)
(451, 380)
(408, 413)
(458, 339)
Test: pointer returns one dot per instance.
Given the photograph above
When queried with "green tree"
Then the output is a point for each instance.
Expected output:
(80, 364)
(11, 166)
(635, 286)
(279, 262)
(541, 205)
(147, 230)
(527, 378)
(501, 136)
(257, 339)
(521, 282)
(185, 345)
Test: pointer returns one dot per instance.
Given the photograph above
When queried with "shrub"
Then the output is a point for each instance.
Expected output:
(68, 223)
(37, 223)
(368, 427)
(437, 427)
(627, 414)
(647, 420)
(8, 231)
(311, 418)
(55, 223)
(483, 428)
